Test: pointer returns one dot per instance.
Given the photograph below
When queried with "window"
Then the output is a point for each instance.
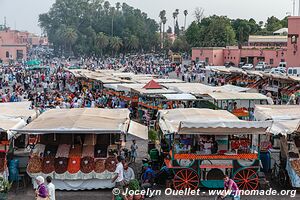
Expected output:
(197, 59)
(19, 54)
(207, 59)
(295, 71)
(215, 56)
(231, 58)
(234, 58)
(271, 61)
(7, 54)
(294, 39)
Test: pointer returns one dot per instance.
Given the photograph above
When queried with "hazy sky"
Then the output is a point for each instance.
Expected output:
(23, 14)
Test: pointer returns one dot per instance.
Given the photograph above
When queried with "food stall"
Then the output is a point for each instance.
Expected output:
(206, 144)
(78, 147)
(285, 136)
(238, 103)
(12, 116)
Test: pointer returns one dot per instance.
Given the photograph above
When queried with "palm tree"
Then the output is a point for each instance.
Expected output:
(115, 44)
(112, 11)
(102, 41)
(177, 13)
(164, 21)
(106, 6)
(70, 37)
(174, 17)
(185, 12)
(162, 15)
(118, 6)
(131, 42)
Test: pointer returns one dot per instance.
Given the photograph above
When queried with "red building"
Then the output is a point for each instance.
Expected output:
(270, 49)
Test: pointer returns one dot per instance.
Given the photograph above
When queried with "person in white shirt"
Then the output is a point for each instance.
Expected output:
(51, 188)
(128, 173)
(119, 177)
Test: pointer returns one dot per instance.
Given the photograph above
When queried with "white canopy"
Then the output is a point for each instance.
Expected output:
(18, 110)
(181, 97)
(237, 96)
(138, 131)
(7, 123)
(276, 112)
(81, 120)
(207, 121)
(233, 88)
(284, 127)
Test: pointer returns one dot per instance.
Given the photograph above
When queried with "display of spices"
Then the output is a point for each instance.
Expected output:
(111, 163)
(63, 151)
(99, 165)
(2, 164)
(100, 151)
(75, 151)
(296, 166)
(39, 150)
(50, 150)
(88, 151)
(48, 165)
(74, 164)
(61, 165)
(34, 164)
(87, 164)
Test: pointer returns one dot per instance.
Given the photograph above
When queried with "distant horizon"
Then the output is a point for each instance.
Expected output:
(27, 19)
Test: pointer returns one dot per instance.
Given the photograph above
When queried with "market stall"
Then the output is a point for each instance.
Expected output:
(240, 104)
(12, 116)
(78, 147)
(206, 144)
(285, 132)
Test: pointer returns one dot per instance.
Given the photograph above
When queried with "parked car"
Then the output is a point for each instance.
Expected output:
(229, 64)
(293, 71)
(278, 70)
(282, 64)
(247, 66)
(241, 64)
(261, 66)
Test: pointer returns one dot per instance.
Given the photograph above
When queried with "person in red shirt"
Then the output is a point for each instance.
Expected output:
(231, 189)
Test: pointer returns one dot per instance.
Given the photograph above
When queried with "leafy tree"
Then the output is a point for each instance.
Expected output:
(102, 41)
(88, 18)
(273, 24)
(115, 44)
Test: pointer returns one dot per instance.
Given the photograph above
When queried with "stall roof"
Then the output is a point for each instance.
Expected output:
(7, 123)
(191, 88)
(237, 96)
(207, 121)
(154, 91)
(284, 127)
(179, 97)
(81, 120)
(18, 110)
(233, 88)
(276, 112)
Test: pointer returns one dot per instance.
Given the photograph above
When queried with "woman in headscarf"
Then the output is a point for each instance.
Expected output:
(42, 191)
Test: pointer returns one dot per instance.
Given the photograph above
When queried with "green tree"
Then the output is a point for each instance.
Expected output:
(70, 36)
(102, 41)
(115, 44)
(88, 18)
(273, 24)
